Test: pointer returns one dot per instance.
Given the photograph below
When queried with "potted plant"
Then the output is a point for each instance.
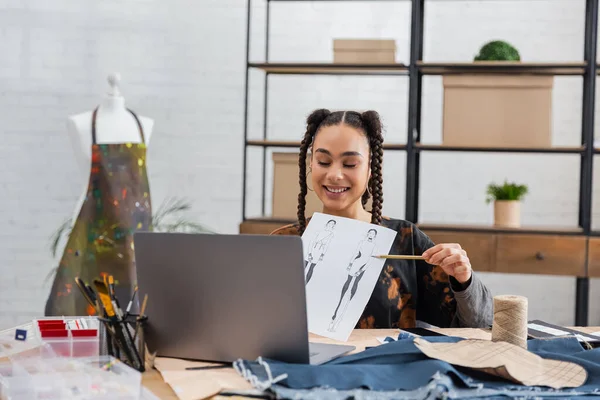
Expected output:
(498, 50)
(507, 203)
(170, 217)
(485, 108)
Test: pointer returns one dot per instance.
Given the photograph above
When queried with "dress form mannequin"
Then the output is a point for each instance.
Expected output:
(114, 124)
(110, 144)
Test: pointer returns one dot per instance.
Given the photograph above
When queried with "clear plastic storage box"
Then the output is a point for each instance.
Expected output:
(70, 336)
(85, 378)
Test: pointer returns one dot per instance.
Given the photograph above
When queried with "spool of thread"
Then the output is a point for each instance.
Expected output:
(510, 320)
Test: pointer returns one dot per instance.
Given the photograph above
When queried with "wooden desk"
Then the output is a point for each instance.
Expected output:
(360, 338)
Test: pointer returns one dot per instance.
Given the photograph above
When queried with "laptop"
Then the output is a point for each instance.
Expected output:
(222, 297)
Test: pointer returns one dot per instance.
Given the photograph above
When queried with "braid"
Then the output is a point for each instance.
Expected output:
(373, 129)
(302, 175)
(377, 180)
(313, 122)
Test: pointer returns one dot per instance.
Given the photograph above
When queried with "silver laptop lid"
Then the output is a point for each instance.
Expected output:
(223, 297)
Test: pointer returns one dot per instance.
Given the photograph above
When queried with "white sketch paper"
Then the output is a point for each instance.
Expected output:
(341, 271)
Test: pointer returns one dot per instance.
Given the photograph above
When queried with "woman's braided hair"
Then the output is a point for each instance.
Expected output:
(370, 124)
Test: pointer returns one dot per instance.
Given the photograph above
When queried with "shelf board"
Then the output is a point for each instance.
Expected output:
(426, 147)
(548, 150)
(270, 220)
(493, 229)
(502, 67)
(272, 143)
(324, 68)
(283, 143)
(427, 68)
(474, 228)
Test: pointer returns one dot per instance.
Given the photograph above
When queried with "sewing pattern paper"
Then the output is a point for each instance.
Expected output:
(507, 361)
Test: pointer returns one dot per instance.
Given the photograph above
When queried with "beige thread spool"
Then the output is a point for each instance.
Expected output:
(510, 320)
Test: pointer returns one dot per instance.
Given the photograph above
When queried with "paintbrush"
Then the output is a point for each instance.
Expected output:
(141, 315)
(121, 331)
(84, 290)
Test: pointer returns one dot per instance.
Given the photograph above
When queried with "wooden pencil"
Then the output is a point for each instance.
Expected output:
(143, 310)
(399, 257)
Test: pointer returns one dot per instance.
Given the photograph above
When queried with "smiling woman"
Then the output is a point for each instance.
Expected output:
(345, 164)
(342, 169)
(346, 158)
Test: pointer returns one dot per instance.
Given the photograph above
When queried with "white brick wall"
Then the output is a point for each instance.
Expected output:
(182, 64)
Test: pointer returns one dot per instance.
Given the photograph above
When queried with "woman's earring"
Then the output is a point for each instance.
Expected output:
(308, 187)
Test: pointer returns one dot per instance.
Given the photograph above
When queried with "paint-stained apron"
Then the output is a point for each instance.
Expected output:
(116, 205)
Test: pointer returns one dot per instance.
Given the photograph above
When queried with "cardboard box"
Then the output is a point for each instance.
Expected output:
(286, 187)
(497, 110)
(364, 51)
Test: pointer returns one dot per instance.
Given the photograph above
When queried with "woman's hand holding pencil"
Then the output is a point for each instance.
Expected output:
(452, 258)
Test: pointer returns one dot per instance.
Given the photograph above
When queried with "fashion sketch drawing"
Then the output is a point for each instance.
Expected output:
(317, 248)
(356, 269)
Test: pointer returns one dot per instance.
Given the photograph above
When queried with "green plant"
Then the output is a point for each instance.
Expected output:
(167, 218)
(172, 207)
(506, 191)
(498, 50)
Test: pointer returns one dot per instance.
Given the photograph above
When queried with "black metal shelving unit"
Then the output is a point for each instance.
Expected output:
(414, 72)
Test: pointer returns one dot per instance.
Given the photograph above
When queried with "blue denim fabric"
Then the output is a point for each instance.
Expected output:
(399, 370)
